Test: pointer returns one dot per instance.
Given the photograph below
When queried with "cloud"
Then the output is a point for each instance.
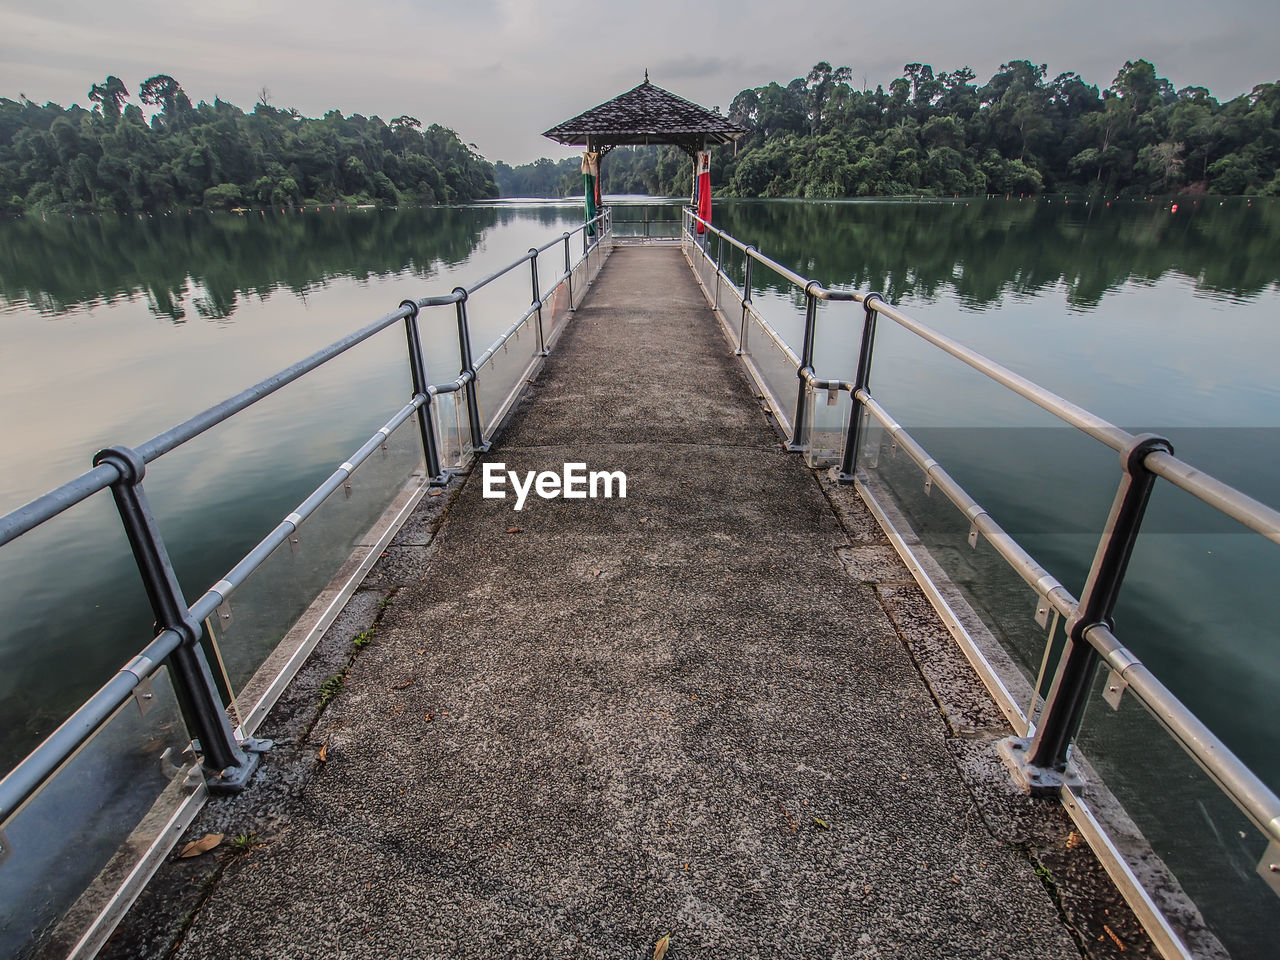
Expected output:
(501, 71)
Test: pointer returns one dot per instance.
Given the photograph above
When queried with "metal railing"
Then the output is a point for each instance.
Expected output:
(1041, 759)
(227, 755)
(665, 224)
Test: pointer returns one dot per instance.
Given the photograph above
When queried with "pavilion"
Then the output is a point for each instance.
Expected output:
(648, 114)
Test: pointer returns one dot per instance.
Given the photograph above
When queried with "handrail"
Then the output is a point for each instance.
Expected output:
(1239, 506)
(821, 292)
(1237, 781)
(1035, 576)
(27, 517)
(19, 784)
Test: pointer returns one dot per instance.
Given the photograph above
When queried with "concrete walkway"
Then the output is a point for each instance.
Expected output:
(596, 722)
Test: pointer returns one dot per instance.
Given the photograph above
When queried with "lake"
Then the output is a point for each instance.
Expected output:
(1154, 318)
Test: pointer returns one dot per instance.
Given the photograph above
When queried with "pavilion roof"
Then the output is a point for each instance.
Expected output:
(647, 114)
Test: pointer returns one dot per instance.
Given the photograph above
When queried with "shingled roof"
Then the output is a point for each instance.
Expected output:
(646, 114)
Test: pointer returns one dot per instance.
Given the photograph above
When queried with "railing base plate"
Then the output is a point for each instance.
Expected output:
(1037, 781)
(235, 779)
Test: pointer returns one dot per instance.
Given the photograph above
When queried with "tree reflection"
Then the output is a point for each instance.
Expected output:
(201, 264)
(984, 250)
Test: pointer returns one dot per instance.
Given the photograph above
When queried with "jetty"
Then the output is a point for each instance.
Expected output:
(639, 637)
(697, 711)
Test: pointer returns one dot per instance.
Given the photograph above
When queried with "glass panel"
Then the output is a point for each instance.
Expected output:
(310, 566)
(453, 437)
(781, 303)
(494, 307)
(825, 428)
(646, 220)
(710, 276)
(731, 311)
(733, 263)
(1196, 608)
(74, 842)
(72, 607)
(704, 268)
(556, 312)
(995, 595)
(550, 269)
(579, 282)
(1211, 848)
(773, 368)
(505, 372)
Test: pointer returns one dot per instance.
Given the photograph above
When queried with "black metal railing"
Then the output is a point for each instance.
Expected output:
(1042, 757)
(225, 752)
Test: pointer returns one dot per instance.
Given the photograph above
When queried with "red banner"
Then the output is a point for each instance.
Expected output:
(704, 188)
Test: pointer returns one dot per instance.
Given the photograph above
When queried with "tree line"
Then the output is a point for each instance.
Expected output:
(943, 134)
(112, 158)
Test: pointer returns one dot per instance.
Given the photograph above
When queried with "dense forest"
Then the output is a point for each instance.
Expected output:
(943, 134)
(111, 158)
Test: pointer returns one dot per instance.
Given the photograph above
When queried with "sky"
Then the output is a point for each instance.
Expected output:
(500, 72)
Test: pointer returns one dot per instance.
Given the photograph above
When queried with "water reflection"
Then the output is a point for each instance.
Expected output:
(985, 250)
(202, 264)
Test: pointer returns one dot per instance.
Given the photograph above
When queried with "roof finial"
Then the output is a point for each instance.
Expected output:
(646, 74)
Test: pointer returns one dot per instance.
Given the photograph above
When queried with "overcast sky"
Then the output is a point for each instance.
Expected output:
(499, 72)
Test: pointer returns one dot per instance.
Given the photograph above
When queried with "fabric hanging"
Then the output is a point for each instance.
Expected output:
(590, 187)
(704, 188)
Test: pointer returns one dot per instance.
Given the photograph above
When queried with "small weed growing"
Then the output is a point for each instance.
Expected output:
(244, 843)
(363, 638)
(331, 688)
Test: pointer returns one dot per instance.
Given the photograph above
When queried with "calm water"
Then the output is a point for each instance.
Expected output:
(116, 328)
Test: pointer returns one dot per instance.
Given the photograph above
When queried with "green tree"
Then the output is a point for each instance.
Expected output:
(111, 94)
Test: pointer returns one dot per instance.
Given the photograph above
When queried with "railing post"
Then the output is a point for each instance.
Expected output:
(533, 265)
(746, 298)
(418, 371)
(715, 305)
(861, 381)
(1040, 766)
(464, 352)
(806, 364)
(568, 271)
(228, 764)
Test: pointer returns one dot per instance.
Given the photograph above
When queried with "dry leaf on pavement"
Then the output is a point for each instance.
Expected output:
(203, 845)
